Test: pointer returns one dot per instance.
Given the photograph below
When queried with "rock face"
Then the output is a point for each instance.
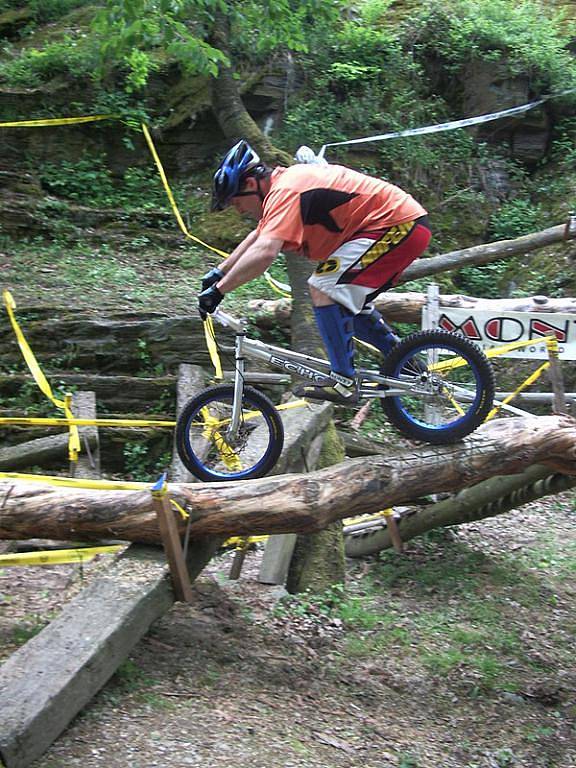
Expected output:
(489, 87)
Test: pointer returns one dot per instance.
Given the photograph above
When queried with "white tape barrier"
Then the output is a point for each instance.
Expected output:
(452, 125)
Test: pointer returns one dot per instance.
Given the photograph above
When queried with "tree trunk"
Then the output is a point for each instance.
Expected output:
(487, 499)
(293, 503)
(318, 560)
(407, 307)
(232, 116)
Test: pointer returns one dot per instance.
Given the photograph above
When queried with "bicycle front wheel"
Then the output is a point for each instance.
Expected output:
(212, 452)
(451, 387)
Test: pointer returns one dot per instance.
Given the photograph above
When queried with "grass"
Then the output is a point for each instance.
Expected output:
(461, 615)
(140, 276)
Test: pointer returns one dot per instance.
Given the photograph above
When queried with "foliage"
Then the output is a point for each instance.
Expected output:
(90, 181)
(141, 35)
(43, 11)
(524, 38)
(72, 57)
(514, 218)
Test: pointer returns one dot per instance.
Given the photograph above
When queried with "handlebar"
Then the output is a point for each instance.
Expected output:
(237, 325)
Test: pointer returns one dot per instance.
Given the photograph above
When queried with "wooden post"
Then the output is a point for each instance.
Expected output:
(238, 562)
(556, 379)
(191, 381)
(395, 537)
(88, 464)
(172, 543)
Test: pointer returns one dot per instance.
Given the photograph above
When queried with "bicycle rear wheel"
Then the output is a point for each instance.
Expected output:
(211, 453)
(452, 387)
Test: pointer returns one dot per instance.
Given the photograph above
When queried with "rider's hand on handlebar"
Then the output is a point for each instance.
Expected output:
(211, 278)
(208, 300)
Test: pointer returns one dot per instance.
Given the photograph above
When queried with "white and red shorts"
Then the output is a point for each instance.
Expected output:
(371, 263)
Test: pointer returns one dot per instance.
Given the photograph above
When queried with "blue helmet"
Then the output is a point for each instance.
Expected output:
(239, 162)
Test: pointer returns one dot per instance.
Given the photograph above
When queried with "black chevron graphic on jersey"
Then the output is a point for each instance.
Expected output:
(316, 204)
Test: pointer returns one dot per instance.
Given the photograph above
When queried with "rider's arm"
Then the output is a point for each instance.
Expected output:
(229, 262)
(254, 261)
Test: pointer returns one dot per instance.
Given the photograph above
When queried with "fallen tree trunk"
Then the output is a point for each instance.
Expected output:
(293, 503)
(37, 452)
(487, 499)
(407, 307)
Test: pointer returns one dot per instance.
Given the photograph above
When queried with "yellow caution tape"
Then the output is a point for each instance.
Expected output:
(526, 383)
(57, 556)
(52, 121)
(171, 198)
(210, 335)
(183, 514)
(55, 422)
(72, 482)
(40, 379)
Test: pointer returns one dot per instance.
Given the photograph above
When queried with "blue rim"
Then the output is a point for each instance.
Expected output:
(231, 475)
(452, 424)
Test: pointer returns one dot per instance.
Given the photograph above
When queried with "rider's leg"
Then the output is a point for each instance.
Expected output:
(336, 326)
(370, 326)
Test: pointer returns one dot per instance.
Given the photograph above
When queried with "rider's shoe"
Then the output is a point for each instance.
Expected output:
(334, 393)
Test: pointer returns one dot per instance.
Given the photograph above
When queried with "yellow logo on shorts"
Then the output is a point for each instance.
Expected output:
(392, 237)
(327, 267)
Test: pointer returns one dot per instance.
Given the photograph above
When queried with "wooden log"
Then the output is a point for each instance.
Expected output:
(407, 307)
(487, 499)
(88, 464)
(294, 503)
(45, 683)
(41, 451)
(483, 254)
(191, 380)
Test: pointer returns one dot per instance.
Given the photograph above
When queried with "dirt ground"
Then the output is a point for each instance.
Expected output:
(232, 680)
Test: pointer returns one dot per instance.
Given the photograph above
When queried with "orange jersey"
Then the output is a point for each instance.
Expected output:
(315, 209)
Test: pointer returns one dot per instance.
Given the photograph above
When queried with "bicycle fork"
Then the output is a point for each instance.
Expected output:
(238, 385)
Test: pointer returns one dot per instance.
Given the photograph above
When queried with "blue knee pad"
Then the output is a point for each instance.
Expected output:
(373, 329)
(336, 326)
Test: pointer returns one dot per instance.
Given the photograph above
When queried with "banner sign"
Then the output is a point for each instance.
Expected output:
(490, 328)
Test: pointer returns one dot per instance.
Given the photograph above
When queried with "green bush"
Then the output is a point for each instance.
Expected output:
(525, 37)
(89, 181)
(70, 57)
(515, 218)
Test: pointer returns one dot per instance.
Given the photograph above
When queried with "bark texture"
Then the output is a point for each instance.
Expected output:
(318, 560)
(407, 307)
(293, 503)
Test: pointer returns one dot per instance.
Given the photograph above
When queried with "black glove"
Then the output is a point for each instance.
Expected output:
(208, 300)
(212, 277)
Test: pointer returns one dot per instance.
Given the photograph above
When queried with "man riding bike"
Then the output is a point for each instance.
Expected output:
(362, 233)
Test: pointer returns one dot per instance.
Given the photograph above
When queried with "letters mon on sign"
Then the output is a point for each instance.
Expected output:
(494, 329)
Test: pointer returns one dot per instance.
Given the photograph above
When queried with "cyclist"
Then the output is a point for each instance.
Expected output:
(361, 232)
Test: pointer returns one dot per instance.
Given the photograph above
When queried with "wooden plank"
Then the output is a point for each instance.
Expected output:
(276, 559)
(88, 464)
(49, 680)
(191, 381)
(303, 430)
(173, 548)
(40, 451)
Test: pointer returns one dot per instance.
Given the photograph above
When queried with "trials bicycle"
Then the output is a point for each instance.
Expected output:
(434, 386)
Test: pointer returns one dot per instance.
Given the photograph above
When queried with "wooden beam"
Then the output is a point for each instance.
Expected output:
(88, 464)
(173, 547)
(40, 451)
(44, 684)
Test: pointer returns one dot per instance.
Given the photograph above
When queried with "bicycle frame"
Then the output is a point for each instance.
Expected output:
(371, 383)
(317, 370)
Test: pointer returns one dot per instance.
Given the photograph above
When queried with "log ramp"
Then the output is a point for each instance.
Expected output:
(46, 682)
